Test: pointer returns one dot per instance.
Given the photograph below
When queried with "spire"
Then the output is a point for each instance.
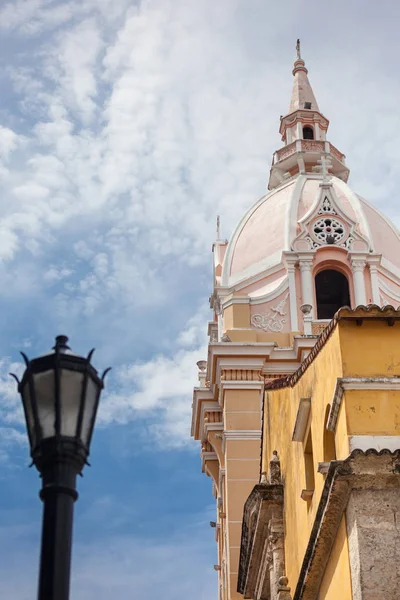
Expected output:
(302, 94)
(304, 134)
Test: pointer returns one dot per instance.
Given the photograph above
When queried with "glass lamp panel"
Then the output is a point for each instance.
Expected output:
(71, 392)
(30, 422)
(90, 407)
(45, 399)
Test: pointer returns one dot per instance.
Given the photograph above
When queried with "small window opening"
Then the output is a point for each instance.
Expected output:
(329, 439)
(307, 105)
(308, 133)
(308, 469)
(332, 291)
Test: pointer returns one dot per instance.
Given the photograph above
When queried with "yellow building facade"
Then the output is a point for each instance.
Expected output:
(298, 403)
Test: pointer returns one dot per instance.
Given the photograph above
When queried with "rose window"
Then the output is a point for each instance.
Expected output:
(328, 230)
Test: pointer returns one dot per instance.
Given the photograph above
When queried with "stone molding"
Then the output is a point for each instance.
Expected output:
(242, 434)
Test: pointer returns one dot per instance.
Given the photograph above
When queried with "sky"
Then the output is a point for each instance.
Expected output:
(126, 127)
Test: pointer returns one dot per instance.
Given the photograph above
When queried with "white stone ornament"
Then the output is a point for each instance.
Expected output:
(326, 224)
(328, 230)
(273, 320)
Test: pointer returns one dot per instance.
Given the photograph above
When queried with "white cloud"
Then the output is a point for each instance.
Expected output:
(9, 439)
(8, 141)
(149, 123)
(158, 391)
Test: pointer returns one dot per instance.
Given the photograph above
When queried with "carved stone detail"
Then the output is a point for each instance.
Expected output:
(327, 207)
(275, 469)
(273, 320)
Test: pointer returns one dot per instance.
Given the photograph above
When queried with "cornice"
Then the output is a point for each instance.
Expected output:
(241, 434)
(235, 300)
(241, 385)
(357, 383)
(200, 397)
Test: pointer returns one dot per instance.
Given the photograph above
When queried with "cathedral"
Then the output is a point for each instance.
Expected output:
(297, 409)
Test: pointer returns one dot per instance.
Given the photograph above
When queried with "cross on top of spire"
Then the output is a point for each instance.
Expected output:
(298, 49)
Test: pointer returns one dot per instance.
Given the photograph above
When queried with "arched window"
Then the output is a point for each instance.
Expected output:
(332, 291)
(308, 133)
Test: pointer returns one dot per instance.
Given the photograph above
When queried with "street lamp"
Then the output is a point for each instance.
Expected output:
(60, 394)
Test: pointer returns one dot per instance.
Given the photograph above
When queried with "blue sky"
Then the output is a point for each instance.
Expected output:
(125, 128)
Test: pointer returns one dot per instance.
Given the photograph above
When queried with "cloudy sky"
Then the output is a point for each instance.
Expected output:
(125, 128)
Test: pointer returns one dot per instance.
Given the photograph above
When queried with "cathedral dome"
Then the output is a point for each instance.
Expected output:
(272, 226)
(309, 246)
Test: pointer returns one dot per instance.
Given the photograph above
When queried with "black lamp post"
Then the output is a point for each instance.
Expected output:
(60, 393)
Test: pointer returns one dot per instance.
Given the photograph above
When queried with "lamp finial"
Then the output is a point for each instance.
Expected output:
(61, 344)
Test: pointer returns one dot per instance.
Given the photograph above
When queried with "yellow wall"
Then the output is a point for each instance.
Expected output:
(373, 412)
(370, 350)
(337, 571)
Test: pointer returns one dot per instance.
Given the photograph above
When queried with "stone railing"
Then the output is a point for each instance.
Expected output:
(336, 153)
(317, 327)
(307, 146)
(285, 152)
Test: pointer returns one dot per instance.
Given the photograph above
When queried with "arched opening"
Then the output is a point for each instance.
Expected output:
(308, 133)
(332, 291)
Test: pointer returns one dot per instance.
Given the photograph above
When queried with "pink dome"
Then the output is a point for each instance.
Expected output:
(272, 224)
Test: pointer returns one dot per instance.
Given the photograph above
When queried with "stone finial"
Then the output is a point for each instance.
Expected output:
(263, 478)
(307, 318)
(306, 309)
(275, 468)
(283, 589)
(202, 366)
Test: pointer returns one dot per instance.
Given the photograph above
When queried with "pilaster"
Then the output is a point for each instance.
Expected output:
(306, 265)
(241, 391)
(358, 264)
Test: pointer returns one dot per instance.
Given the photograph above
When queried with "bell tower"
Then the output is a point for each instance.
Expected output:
(304, 132)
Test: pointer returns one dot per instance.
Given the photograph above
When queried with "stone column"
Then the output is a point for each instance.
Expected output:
(373, 270)
(292, 296)
(358, 266)
(307, 283)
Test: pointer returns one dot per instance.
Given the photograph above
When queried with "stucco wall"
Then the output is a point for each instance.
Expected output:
(334, 585)
(369, 350)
